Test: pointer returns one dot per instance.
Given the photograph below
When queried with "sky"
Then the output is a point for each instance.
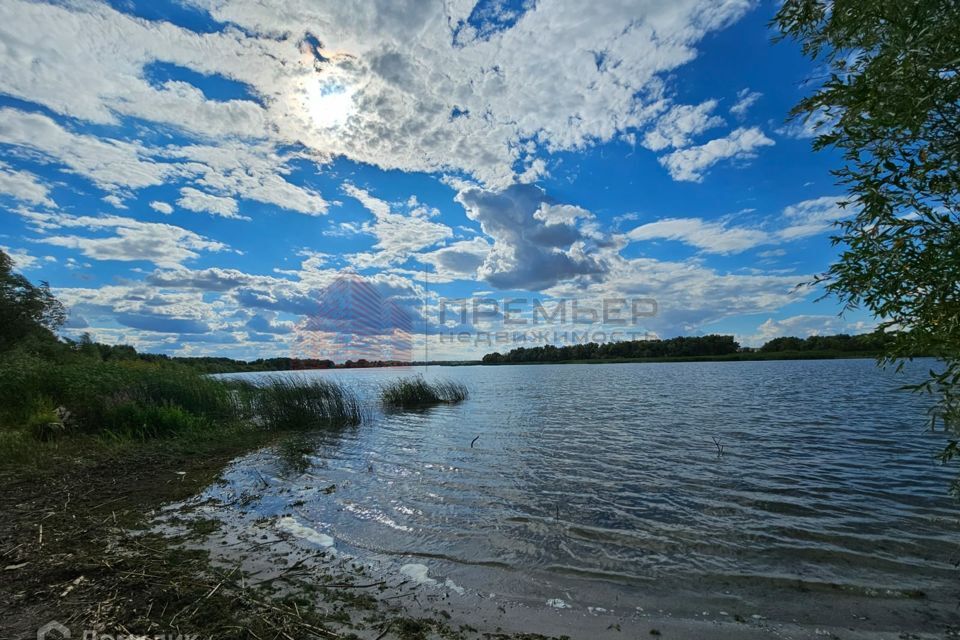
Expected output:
(194, 177)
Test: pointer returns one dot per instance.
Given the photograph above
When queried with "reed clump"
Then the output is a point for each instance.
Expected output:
(416, 393)
(288, 403)
(56, 402)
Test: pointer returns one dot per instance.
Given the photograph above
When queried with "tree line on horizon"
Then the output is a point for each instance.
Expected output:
(693, 347)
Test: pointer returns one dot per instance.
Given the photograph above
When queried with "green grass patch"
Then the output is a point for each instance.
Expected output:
(52, 406)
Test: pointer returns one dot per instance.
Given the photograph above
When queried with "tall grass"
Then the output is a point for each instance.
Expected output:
(288, 403)
(46, 401)
(415, 393)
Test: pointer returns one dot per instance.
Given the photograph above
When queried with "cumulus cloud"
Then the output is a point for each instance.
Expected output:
(196, 200)
(688, 294)
(250, 171)
(803, 326)
(690, 164)
(209, 280)
(528, 252)
(457, 261)
(161, 207)
(398, 235)
(680, 124)
(384, 84)
(410, 85)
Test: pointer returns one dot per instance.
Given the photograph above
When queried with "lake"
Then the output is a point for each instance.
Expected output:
(595, 487)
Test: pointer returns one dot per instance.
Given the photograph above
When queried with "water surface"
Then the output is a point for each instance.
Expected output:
(602, 483)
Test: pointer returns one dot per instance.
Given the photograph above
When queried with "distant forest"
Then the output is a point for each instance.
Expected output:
(214, 364)
(699, 347)
(705, 347)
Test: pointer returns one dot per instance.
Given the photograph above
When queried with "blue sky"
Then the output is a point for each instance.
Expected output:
(191, 177)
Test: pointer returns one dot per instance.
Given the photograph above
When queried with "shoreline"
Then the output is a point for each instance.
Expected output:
(734, 357)
(123, 541)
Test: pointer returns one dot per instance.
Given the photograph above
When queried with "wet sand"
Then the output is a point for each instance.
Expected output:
(294, 558)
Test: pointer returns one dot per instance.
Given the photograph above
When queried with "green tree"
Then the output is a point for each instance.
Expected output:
(889, 101)
(26, 310)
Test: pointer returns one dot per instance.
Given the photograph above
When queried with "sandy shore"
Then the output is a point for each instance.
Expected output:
(296, 558)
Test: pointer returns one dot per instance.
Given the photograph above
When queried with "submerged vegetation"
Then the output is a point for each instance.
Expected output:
(415, 393)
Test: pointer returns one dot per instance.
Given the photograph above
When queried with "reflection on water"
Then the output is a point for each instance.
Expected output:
(609, 475)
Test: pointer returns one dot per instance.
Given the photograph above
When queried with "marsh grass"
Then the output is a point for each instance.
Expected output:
(49, 406)
(417, 393)
(287, 403)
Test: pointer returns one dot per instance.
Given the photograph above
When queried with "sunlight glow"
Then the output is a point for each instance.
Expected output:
(330, 104)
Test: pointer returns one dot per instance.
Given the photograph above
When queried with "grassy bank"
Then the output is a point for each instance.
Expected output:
(73, 402)
(91, 450)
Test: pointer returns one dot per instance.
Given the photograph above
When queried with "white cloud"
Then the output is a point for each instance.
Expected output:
(690, 164)
(114, 201)
(24, 186)
(773, 253)
(110, 164)
(745, 99)
(680, 124)
(253, 172)
(161, 244)
(528, 251)
(812, 217)
(802, 326)
(398, 235)
(710, 236)
(201, 202)
(21, 259)
(161, 207)
(817, 123)
(688, 294)
(803, 219)
(390, 82)
(561, 213)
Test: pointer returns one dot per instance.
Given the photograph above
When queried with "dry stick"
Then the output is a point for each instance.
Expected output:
(345, 585)
(719, 447)
(385, 631)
